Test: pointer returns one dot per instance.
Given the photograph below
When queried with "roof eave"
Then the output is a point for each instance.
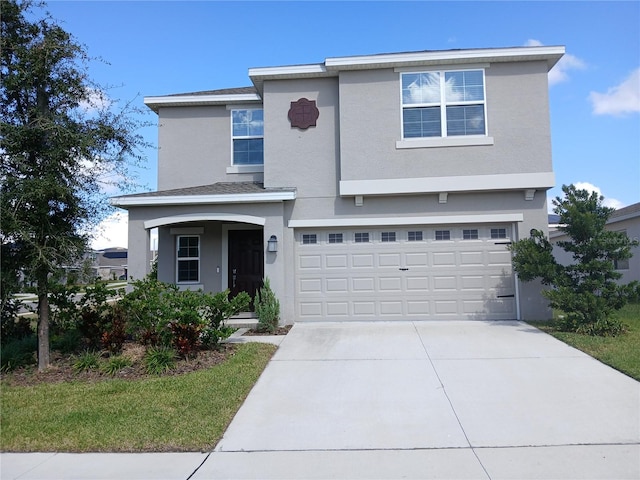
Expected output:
(155, 103)
(173, 200)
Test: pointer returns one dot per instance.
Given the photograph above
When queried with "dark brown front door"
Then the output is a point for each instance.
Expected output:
(246, 261)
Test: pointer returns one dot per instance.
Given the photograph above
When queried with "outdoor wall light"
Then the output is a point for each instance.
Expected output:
(272, 244)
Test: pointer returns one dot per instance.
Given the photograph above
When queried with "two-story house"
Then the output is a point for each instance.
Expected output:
(380, 187)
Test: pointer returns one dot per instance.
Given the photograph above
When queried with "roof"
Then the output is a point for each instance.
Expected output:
(332, 66)
(625, 213)
(221, 192)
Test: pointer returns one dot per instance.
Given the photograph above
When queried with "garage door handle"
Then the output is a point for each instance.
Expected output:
(503, 243)
(403, 269)
(505, 296)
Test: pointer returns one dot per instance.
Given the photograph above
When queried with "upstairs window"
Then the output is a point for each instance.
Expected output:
(443, 104)
(248, 136)
(188, 257)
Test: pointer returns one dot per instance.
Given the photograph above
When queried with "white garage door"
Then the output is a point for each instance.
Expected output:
(441, 272)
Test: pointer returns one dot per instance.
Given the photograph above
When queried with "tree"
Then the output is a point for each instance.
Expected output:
(62, 140)
(585, 290)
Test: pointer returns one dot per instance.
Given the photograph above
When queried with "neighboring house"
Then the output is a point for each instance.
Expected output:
(380, 187)
(626, 220)
(111, 263)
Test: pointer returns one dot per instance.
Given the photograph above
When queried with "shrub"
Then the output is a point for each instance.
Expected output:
(18, 353)
(87, 360)
(160, 359)
(114, 330)
(267, 308)
(149, 311)
(114, 364)
(64, 309)
(13, 327)
(69, 341)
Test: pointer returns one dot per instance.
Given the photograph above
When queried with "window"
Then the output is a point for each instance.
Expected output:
(443, 235)
(188, 259)
(309, 239)
(248, 137)
(498, 233)
(470, 234)
(443, 104)
(621, 264)
(388, 236)
(361, 237)
(415, 236)
(335, 238)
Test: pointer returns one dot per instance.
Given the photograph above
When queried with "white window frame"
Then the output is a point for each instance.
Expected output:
(245, 167)
(335, 238)
(185, 259)
(470, 234)
(388, 237)
(443, 233)
(359, 237)
(482, 139)
(309, 239)
(415, 234)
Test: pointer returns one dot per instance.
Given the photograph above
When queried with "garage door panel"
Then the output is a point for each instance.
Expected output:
(444, 259)
(336, 261)
(398, 280)
(310, 261)
(338, 285)
(362, 260)
(338, 309)
(390, 284)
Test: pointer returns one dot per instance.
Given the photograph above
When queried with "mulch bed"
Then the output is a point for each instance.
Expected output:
(61, 369)
(280, 331)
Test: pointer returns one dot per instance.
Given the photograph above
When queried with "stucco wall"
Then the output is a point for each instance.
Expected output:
(305, 159)
(517, 119)
(195, 147)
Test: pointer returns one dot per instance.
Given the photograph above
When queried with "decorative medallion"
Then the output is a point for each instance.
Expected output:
(303, 113)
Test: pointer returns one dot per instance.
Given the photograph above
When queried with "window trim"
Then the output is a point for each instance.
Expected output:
(474, 234)
(363, 234)
(309, 239)
(388, 237)
(185, 259)
(335, 238)
(444, 140)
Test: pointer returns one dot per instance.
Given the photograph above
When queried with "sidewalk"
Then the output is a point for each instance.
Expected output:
(421, 400)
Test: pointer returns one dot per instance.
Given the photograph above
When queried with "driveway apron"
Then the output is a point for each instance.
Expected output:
(456, 399)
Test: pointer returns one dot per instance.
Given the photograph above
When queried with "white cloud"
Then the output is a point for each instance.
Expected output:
(619, 100)
(112, 232)
(607, 202)
(95, 100)
(560, 72)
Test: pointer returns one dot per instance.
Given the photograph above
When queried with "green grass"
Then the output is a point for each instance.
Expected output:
(621, 352)
(176, 413)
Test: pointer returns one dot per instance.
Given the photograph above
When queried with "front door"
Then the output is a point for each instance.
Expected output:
(246, 261)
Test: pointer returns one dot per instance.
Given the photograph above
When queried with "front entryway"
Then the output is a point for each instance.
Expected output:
(246, 261)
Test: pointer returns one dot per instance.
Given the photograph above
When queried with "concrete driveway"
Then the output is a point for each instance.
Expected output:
(437, 400)
(417, 400)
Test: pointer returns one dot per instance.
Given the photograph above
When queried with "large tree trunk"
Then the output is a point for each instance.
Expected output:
(43, 332)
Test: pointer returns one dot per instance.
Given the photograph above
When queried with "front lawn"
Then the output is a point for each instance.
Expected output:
(187, 412)
(621, 352)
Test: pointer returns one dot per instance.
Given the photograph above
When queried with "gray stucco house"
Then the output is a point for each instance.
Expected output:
(382, 187)
(625, 220)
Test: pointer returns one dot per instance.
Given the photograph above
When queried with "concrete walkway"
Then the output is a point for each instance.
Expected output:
(421, 400)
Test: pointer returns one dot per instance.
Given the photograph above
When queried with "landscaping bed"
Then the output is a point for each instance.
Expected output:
(62, 367)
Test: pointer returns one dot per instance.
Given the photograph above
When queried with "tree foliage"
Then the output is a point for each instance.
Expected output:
(63, 139)
(586, 289)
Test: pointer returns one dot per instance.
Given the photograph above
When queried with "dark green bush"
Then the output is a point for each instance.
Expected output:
(267, 308)
(18, 353)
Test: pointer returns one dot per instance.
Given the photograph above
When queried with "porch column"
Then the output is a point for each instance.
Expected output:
(139, 249)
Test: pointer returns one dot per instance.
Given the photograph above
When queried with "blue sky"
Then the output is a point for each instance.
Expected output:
(164, 47)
